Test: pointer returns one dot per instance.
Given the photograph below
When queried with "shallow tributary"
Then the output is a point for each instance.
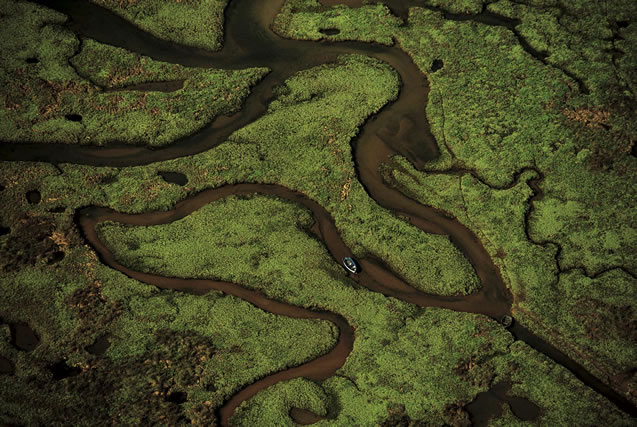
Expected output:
(400, 127)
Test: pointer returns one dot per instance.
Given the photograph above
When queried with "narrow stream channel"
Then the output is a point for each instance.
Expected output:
(400, 127)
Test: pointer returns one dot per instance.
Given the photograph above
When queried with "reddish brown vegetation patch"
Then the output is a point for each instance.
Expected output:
(32, 241)
(94, 312)
(601, 320)
(456, 415)
(397, 416)
(590, 117)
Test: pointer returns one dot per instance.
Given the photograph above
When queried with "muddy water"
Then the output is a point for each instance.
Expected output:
(6, 366)
(23, 337)
(317, 369)
(373, 277)
(174, 177)
(100, 345)
(249, 43)
(488, 405)
(400, 128)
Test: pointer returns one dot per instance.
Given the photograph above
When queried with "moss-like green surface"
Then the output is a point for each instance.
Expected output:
(427, 372)
(121, 188)
(568, 117)
(590, 315)
(50, 88)
(197, 23)
(351, 23)
(303, 143)
(236, 239)
(567, 254)
(162, 342)
(308, 148)
(302, 19)
(453, 356)
(268, 405)
(428, 362)
(469, 7)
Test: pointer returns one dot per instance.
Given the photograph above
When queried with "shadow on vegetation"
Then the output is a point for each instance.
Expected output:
(61, 370)
(6, 366)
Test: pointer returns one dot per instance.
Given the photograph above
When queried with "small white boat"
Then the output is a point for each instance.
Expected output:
(351, 265)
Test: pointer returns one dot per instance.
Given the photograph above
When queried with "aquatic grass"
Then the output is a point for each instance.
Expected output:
(256, 240)
(331, 89)
(299, 144)
(197, 23)
(468, 7)
(432, 367)
(585, 173)
(553, 388)
(387, 372)
(235, 239)
(147, 314)
(587, 315)
(522, 113)
(588, 213)
(472, 347)
(302, 19)
(272, 402)
(161, 342)
(55, 99)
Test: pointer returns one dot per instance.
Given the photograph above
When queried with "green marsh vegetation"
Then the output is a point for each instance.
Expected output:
(591, 316)
(59, 89)
(304, 19)
(164, 346)
(586, 194)
(308, 149)
(452, 356)
(568, 116)
(468, 7)
(584, 208)
(197, 23)
(408, 363)
(264, 243)
(68, 187)
(303, 143)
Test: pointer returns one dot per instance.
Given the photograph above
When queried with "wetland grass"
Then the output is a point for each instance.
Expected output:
(560, 231)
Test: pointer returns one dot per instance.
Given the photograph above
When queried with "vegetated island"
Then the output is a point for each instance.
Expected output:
(522, 206)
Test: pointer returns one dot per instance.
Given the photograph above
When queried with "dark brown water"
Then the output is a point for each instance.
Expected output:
(399, 128)
(100, 345)
(488, 405)
(168, 86)
(350, 3)
(174, 177)
(317, 369)
(33, 197)
(373, 277)
(61, 370)
(6, 366)
(23, 337)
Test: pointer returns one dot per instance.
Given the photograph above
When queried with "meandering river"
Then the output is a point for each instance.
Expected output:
(400, 127)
